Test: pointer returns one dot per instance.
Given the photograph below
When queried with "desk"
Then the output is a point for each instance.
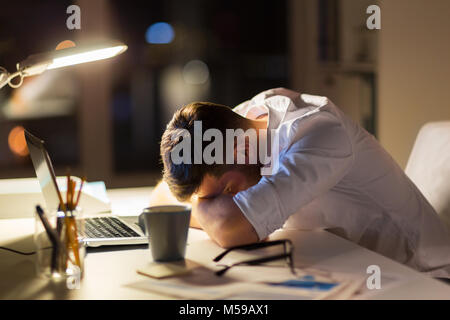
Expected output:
(110, 274)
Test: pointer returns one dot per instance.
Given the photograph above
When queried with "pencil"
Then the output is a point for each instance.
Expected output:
(68, 190)
(72, 198)
(61, 201)
(79, 191)
(72, 237)
(70, 221)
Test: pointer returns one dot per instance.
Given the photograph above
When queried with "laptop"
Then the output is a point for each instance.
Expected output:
(99, 230)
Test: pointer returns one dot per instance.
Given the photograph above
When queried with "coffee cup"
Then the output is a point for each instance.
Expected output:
(167, 228)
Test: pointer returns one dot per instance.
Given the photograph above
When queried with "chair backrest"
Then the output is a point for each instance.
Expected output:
(429, 166)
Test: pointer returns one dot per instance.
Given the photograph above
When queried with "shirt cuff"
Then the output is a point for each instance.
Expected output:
(261, 207)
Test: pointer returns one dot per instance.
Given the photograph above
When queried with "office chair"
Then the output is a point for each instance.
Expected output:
(429, 166)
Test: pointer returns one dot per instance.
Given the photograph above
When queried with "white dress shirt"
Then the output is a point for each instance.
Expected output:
(332, 174)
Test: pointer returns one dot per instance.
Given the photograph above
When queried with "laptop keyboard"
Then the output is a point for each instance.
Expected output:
(107, 227)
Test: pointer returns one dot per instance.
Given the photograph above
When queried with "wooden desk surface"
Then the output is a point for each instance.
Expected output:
(111, 274)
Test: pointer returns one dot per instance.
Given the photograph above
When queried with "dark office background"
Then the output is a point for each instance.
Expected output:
(241, 50)
(105, 119)
(241, 46)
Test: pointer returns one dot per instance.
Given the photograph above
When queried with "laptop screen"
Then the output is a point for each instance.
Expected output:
(44, 170)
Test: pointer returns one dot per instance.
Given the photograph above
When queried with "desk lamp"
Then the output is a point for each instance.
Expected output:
(38, 63)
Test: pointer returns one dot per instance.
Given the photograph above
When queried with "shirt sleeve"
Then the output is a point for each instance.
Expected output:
(241, 109)
(308, 168)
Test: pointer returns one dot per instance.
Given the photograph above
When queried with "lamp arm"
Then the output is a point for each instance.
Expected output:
(4, 77)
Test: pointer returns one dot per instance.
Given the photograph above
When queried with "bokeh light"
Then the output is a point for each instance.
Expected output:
(160, 33)
(195, 72)
(65, 44)
(17, 143)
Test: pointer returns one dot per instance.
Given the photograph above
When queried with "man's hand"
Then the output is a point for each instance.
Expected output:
(222, 219)
(219, 216)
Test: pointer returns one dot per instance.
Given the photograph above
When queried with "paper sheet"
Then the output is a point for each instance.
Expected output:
(202, 283)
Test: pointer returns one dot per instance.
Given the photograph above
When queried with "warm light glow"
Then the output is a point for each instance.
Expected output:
(84, 57)
(195, 72)
(17, 143)
(65, 45)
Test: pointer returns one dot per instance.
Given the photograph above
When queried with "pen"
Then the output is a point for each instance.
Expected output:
(51, 235)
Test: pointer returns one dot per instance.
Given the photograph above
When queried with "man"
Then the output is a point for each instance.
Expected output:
(327, 172)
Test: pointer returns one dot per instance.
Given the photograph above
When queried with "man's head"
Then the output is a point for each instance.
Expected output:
(205, 180)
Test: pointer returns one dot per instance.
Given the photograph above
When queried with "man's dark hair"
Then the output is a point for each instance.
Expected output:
(184, 179)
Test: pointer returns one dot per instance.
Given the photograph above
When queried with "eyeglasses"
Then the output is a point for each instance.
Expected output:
(287, 254)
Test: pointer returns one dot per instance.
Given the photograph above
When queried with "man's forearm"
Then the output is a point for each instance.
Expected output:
(224, 222)
(220, 217)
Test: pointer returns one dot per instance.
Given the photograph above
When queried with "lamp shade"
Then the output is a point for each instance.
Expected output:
(38, 63)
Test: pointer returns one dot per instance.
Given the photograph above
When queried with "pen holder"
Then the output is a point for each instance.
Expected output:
(66, 259)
